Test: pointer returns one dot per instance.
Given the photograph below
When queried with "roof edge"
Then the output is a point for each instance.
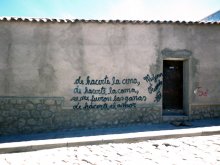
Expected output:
(212, 17)
(58, 20)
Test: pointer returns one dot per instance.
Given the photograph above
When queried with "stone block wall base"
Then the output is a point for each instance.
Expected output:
(205, 111)
(167, 119)
(24, 115)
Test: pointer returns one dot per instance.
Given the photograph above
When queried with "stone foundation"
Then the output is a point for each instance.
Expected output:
(28, 114)
(24, 115)
(205, 111)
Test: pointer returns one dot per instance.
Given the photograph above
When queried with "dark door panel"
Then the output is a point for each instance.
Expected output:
(172, 84)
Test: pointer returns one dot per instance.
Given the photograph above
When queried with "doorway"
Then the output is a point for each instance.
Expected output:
(172, 87)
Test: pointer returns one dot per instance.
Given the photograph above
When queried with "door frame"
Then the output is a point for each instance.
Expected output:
(186, 87)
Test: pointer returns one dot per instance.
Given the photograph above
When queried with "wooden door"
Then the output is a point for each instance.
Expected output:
(172, 84)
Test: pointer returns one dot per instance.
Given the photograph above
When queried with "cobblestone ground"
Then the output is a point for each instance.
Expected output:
(190, 150)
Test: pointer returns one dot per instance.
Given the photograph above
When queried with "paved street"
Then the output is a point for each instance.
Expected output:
(188, 150)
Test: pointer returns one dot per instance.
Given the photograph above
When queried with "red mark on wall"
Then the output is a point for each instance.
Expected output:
(199, 91)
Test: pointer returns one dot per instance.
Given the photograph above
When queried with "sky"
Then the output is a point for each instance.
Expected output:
(182, 10)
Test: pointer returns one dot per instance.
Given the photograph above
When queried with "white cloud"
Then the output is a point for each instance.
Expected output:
(128, 9)
(188, 10)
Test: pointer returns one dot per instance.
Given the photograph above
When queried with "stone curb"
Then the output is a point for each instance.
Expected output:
(104, 139)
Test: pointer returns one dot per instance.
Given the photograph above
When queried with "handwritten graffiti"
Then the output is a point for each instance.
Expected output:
(199, 91)
(153, 77)
(106, 81)
(154, 85)
(106, 93)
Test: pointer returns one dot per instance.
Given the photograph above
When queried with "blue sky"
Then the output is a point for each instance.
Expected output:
(188, 10)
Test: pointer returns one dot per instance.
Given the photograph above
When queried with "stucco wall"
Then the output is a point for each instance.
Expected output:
(47, 60)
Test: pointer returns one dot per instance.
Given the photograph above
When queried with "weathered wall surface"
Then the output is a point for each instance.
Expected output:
(103, 73)
(46, 59)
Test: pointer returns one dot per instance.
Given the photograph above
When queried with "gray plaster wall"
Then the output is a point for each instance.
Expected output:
(45, 60)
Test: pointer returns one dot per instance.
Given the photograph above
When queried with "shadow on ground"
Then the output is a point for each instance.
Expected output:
(105, 131)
